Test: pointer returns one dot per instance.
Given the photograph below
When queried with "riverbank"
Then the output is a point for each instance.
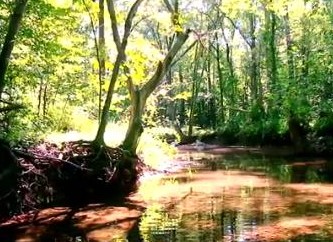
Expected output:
(238, 185)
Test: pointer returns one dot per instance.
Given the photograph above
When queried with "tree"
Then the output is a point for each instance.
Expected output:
(99, 43)
(13, 27)
(138, 95)
(121, 44)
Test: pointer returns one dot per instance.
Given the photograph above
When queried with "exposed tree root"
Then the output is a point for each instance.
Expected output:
(73, 173)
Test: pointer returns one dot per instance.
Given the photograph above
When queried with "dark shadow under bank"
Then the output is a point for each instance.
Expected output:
(64, 225)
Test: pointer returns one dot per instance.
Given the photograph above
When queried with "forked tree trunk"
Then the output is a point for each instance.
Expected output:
(140, 96)
(121, 44)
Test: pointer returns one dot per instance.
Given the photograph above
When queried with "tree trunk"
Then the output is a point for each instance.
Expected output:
(271, 51)
(195, 86)
(297, 129)
(231, 78)
(121, 45)
(140, 96)
(101, 53)
(211, 111)
(220, 79)
(99, 139)
(181, 111)
(8, 45)
(40, 94)
(9, 174)
(290, 56)
(45, 100)
(135, 126)
(254, 77)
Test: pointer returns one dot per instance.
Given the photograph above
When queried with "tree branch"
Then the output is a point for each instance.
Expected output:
(184, 53)
(153, 82)
(114, 25)
(129, 21)
(168, 5)
(239, 30)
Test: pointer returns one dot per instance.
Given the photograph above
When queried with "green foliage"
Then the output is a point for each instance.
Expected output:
(23, 126)
(239, 77)
(153, 146)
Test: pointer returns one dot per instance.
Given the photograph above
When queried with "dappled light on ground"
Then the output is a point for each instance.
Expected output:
(107, 223)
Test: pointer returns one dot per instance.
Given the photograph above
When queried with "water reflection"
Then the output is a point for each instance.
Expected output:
(223, 198)
(242, 198)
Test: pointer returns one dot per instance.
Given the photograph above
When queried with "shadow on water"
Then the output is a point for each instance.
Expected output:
(243, 198)
(95, 222)
(228, 197)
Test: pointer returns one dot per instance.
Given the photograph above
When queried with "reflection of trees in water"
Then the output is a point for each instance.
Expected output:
(280, 168)
(240, 213)
(225, 225)
(159, 226)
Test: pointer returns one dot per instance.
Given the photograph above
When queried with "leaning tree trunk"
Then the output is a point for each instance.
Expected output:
(8, 45)
(121, 45)
(135, 126)
(140, 96)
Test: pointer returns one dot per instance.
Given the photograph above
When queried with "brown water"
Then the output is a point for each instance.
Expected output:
(242, 197)
(219, 195)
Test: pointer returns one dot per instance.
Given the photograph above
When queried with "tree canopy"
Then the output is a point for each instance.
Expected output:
(254, 71)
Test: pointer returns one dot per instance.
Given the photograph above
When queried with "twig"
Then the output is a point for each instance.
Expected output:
(35, 156)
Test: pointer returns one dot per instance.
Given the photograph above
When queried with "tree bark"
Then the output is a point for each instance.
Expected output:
(140, 96)
(220, 79)
(290, 56)
(8, 45)
(121, 45)
(211, 111)
(135, 126)
(271, 48)
(101, 50)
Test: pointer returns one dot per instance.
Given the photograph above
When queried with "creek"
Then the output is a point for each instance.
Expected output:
(215, 194)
